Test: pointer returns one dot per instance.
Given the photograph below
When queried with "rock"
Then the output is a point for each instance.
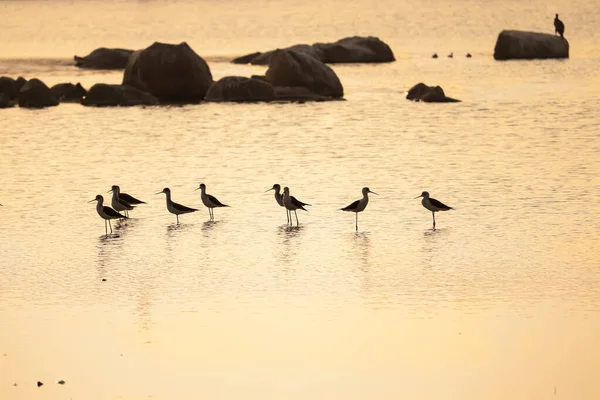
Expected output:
(529, 45)
(104, 58)
(356, 49)
(35, 94)
(171, 73)
(8, 92)
(68, 93)
(429, 94)
(292, 68)
(38, 383)
(104, 95)
(240, 89)
(246, 59)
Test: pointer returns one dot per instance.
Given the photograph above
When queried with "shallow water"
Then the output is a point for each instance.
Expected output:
(501, 301)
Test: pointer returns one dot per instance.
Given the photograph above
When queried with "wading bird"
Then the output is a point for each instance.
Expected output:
(359, 205)
(106, 213)
(118, 203)
(559, 27)
(279, 199)
(209, 201)
(292, 204)
(433, 205)
(175, 208)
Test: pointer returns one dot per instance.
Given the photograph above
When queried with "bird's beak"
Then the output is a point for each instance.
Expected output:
(162, 191)
(373, 192)
(269, 190)
(91, 200)
(109, 191)
(197, 188)
(418, 197)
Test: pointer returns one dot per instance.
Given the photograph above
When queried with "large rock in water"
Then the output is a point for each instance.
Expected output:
(35, 94)
(355, 49)
(104, 95)
(291, 68)
(170, 72)
(429, 94)
(104, 58)
(529, 45)
(240, 89)
(68, 93)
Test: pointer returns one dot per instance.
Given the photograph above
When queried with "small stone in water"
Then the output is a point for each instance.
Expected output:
(60, 382)
(39, 384)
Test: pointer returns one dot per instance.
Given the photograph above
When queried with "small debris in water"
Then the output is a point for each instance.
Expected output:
(60, 382)
(39, 384)
(15, 384)
(103, 279)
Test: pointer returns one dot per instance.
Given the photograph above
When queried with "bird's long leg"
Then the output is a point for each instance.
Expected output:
(356, 222)
(105, 228)
(297, 223)
(287, 216)
(432, 213)
(110, 226)
(177, 216)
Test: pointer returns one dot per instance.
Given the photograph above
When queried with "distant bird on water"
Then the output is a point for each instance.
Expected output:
(469, 55)
(175, 208)
(559, 27)
(359, 205)
(279, 199)
(434, 55)
(106, 213)
(433, 205)
(209, 201)
(292, 204)
(451, 55)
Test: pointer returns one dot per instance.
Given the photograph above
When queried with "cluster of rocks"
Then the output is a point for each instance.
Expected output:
(173, 73)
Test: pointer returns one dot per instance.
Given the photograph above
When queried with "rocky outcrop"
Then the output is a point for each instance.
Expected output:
(104, 95)
(171, 73)
(240, 89)
(35, 94)
(429, 94)
(8, 92)
(291, 68)
(68, 93)
(104, 58)
(355, 49)
(529, 45)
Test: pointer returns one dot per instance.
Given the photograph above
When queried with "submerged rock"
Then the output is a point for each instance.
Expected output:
(170, 72)
(35, 94)
(104, 58)
(104, 95)
(529, 45)
(429, 94)
(291, 68)
(69, 93)
(240, 89)
(355, 49)
(9, 91)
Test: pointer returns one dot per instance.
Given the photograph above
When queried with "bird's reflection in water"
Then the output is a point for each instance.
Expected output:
(209, 225)
(288, 234)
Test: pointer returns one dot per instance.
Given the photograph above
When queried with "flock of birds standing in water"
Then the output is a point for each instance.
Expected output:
(123, 203)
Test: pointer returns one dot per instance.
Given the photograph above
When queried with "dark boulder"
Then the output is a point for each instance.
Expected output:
(104, 95)
(292, 68)
(240, 89)
(529, 45)
(170, 72)
(356, 49)
(35, 94)
(68, 93)
(104, 58)
(247, 59)
(429, 94)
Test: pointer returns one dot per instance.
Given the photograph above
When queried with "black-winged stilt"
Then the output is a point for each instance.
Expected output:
(279, 199)
(209, 201)
(106, 213)
(433, 205)
(359, 205)
(292, 204)
(128, 198)
(175, 208)
(118, 203)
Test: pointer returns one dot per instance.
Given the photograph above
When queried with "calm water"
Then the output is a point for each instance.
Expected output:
(500, 302)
